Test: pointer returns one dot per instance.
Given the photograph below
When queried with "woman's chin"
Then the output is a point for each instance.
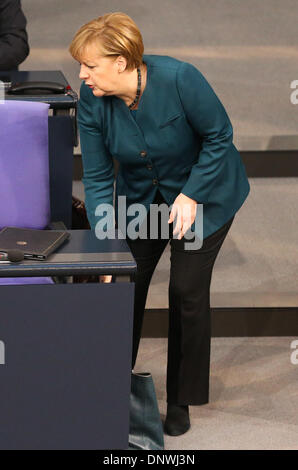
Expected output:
(98, 92)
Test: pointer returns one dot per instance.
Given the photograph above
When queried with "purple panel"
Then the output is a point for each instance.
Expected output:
(24, 164)
(6, 281)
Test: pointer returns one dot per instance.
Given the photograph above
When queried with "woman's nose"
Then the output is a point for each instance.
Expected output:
(83, 72)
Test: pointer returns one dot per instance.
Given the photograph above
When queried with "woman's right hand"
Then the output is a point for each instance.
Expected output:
(105, 278)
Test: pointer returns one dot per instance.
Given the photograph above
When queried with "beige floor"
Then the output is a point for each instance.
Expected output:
(253, 395)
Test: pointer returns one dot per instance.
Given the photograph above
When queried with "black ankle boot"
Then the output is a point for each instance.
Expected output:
(177, 420)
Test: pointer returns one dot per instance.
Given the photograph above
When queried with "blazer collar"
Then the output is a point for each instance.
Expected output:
(124, 110)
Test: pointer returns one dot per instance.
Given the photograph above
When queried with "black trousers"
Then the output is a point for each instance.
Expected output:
(188, 366)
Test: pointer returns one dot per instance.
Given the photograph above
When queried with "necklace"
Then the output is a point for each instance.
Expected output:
(138, 90)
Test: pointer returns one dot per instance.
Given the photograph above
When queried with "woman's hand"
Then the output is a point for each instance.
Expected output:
(105, 278)
(184, 211)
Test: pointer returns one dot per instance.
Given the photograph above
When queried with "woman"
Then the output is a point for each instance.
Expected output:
(161, 120)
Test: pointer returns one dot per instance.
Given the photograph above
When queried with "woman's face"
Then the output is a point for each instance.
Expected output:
(100, 73)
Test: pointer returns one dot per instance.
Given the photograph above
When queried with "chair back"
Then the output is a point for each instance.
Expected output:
(24, 164)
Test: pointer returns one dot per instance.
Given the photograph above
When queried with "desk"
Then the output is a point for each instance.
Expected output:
(65, 357)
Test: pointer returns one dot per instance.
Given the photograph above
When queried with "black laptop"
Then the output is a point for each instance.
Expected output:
(35, 244)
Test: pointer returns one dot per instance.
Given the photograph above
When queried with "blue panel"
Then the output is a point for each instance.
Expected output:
(65, 383)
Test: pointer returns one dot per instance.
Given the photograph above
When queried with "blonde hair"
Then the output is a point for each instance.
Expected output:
(116, 34)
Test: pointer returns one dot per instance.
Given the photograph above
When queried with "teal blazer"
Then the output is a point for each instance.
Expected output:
(180, 142)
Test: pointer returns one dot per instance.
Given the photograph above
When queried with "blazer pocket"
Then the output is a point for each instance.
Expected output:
(170, 120)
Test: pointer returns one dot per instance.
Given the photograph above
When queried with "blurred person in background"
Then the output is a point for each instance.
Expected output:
(14, 47)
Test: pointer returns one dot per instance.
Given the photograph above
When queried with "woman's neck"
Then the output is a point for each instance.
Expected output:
(128, 93)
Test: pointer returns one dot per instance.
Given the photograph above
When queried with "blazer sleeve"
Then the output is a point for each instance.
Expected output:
(98, 169)
(14, 47)
(209, 119)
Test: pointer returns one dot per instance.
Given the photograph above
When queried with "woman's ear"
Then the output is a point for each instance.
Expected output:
(121, 63)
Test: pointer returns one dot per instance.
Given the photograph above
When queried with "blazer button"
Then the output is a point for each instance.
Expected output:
(143, 153)
(154, 181)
